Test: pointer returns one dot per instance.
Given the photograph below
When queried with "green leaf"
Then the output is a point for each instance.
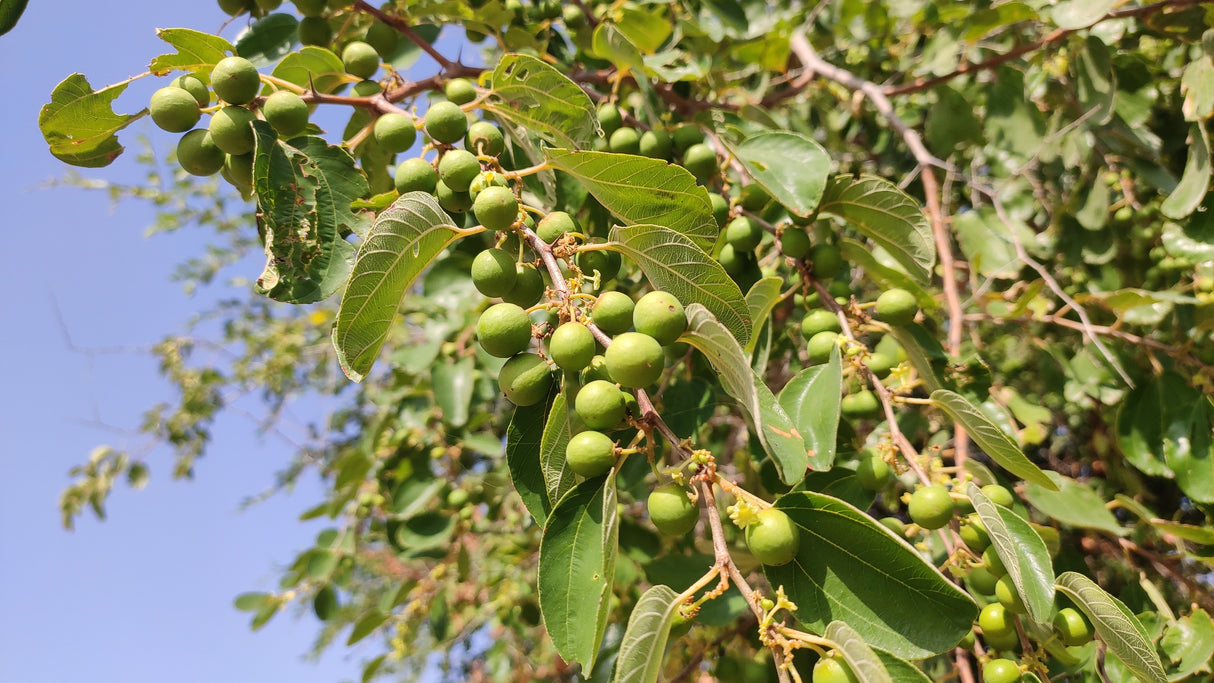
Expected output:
(900, 670)
(989, 437)
(861, 256)
(268, 39)
(366, 625)
(674, 264)
(453, 385)
(425, 531)
(640, 658)
(1073, 504)
(80, 125)
(321, 564)
(1095, 81)
(1197, 534)
(558, 479)
(612, 45)
(864, 663)
(411, 496)
(791, 167)
(812, 399)
(951, 123)
(643, 190)
(10, 14)
(1197, 84)
(251, 602)
(304, 190)
(984, 21)
(197, 52)
(761, 298)
(1191, 189)
(774, 428)
(1022, 552)
(577, 566)
(887, 215)
(1163, 428)
(311, 67)
(1189, 644)
(646, 29)
(852, 569)
(1074, 14)
(1120, 630)
(402, 242)
(1194, 239)
(535, 96)
(923, 351)
(523, 438)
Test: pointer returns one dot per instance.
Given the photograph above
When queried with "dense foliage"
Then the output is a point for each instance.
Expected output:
(835, 341)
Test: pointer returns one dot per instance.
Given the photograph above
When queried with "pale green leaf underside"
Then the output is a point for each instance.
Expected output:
(523, 439)
(80, 125)
(640, 190)
(990, 438)
(674, 264)
(888, 216)
(1192, 187)
(1116, 625)
(312, 67)
(791, 167)
(812, 399)
(558, 479)
(576, 569)
(761, 298)
(197, 52)
(865, 665)
(402, 242)
(534, 95)
(1023, 554)
(776, 431)
(640, 658)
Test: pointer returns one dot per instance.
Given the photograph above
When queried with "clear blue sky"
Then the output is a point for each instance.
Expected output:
(146, 595)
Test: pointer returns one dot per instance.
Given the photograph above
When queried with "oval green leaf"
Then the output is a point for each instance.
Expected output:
(877, 208)
(1022, 552)
(865, 665)
(990, 438)
(533, 95)
(812, 399)
(791, 167)
(640, 657)
(197, 52)
(1120, 630)
(1073, 504)
(79, 123)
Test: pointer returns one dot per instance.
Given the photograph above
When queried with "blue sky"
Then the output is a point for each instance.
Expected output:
(146, 595)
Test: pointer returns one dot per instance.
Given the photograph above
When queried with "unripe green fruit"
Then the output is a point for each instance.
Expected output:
(992, 562)
(734, 262)
(496, 208)
(609, 118)
(685, 136)
(973, 534)
(194, 86)
(606, 262)
(324, 603)
(528, 286)
(820, 320)
(445, 122)
(1000, 671)
(233, 7)
(613, 313)
(557, 223)
(383, 38)
(773, 538)
(1005, 593)
(827, 261)
(1049, 535)
(661, 316)
(287, 112)
(861, 404)
(571, 346)
(174, 109)
(267, 6)
(794, 242)
(395, 132)
(995, 621)
(635, 360)
(310, 8)
(625, 141)
(753, 197)
(873, 473)
(483, 180)
(931, 507)
(671, 511)
(743, 233)
(198, 154)
(819, 346)
(457, 498)
(493, 272)
(967, 641)
(232, 130)
(367, 88)
(315, 31)
(238, 169)
(893, 524)
(590, 453)
(981, 580)
(416, 175)
(597, 369)
(235, 80)
(503, 330)
(656, 144)
(832, 670)
(458, 168)
(998, 495)
(485, 138)
(897, 307)
(450, 200)
(525, 379)
(720, 208)
(459, 91)
(880, 364)
(360, 59)
(600, 405)
(1072, 627)
(701, 161)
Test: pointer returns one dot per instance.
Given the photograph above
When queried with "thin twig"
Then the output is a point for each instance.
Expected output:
(407, 31)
